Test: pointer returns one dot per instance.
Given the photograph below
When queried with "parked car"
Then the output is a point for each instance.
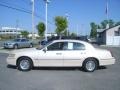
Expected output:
(92, 40)
(43, 42)
(61, 53)
(18, 43)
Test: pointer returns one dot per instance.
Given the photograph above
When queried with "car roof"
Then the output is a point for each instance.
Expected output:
(70, 40)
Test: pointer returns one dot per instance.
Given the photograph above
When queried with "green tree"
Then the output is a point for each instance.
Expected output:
(105, 22)
(111, 23)
(118, 23)
(73, 35)
(93, 32)
(41, 29)
(61, 25)
(24, 33)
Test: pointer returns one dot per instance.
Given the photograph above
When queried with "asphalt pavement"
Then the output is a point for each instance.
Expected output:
(105, 78)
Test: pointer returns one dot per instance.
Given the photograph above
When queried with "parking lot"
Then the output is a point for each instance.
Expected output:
(105, 78)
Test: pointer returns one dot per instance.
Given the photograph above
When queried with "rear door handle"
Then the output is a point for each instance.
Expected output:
(58, 53)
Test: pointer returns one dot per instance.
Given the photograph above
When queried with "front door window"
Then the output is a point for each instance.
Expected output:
(56, 46)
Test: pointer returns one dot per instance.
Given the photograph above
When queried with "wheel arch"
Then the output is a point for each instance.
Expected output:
(16, 44)
(96, 59)
(24, 57)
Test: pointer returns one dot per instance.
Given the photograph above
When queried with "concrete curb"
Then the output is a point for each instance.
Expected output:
(3, 50)
(1, 47)
(109, 46)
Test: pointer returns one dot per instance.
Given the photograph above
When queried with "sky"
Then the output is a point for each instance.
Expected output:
(80, 13)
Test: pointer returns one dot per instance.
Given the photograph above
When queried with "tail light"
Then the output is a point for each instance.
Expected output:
(111, 53)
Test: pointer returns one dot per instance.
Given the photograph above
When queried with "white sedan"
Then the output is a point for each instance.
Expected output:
(61, 53)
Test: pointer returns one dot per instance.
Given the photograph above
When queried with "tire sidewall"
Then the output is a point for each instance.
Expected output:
(30, 64)
(85, 62)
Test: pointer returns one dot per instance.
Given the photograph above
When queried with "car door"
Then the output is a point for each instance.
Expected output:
(27, 43)
(51, 55)
(23, 43)
(74, 54)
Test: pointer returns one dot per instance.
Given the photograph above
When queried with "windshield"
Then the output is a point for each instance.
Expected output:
(17, 40)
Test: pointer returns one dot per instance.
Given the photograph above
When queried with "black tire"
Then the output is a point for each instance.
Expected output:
(90, 65)
(15, 46)
(22, 62)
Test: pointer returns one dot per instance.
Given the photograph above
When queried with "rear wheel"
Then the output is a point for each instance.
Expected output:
(90, 65)
(24, 64)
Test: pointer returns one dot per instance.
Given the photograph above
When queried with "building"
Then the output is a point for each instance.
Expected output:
(51, 34)
(35, 35)
(110, 36)
(9, 31)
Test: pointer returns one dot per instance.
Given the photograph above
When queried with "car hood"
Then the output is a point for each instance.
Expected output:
(23, 51)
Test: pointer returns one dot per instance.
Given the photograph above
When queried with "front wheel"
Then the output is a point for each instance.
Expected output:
(90, 65)
(24, 64)
(15, 46)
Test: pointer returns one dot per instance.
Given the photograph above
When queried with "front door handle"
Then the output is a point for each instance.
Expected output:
(58, 53)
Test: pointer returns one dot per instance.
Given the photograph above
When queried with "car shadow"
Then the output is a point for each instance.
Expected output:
(58, 68)
(101, 67)
(11, 66)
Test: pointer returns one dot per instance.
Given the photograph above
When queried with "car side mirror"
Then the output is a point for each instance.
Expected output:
(45, 50)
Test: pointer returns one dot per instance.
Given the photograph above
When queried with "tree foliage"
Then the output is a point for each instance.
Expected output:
(41, 29)
(93, 33)
(73, 35)
(24, 33)
(111, 23)
(105, 22)
(61, 25)
(117, 23)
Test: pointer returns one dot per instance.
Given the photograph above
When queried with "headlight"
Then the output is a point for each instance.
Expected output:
(11, 55)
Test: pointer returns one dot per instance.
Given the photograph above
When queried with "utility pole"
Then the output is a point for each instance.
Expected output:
(46, 21)
(17, 21)
(77, 30)
(107, 6)
(68, 25)
(33, 30)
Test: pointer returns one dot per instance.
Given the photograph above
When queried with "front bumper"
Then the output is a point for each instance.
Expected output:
(8, 46)
(11, 61)
(108, 61)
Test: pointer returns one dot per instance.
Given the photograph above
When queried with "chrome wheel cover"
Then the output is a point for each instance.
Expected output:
(90, 65)
(24, 64)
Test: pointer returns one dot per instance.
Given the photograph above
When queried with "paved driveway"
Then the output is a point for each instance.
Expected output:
(105, 78)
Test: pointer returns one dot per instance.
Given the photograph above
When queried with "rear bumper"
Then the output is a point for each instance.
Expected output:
(108, 61)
